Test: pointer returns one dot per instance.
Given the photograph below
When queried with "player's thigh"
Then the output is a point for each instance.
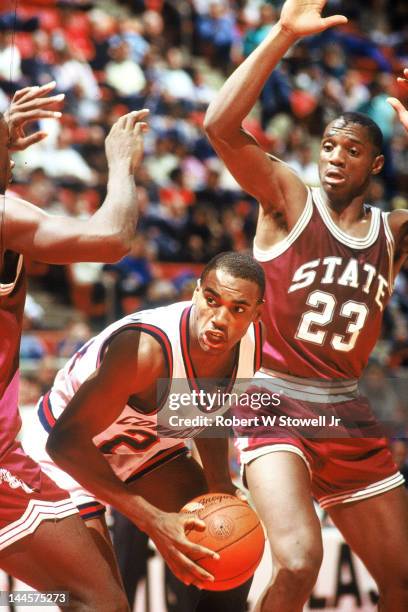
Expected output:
(279, 483)
(99, 532)
(63, 555)
(172, 485)
(377, 530)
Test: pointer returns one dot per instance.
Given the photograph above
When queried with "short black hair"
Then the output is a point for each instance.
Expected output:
(373, 129)
(239, 265)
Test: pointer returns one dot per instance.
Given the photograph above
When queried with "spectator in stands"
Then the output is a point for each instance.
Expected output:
(132, 276)
(78, 332)
(376, 385)
(124, 75)
(216, 32)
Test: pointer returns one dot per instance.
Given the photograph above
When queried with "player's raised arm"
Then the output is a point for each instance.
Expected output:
(107, 235)
(131, 366)
(398, 219)
(31, 104)
(272, 183)
(397, 105)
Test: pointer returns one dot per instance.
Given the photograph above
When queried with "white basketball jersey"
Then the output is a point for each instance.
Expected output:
(131, 443)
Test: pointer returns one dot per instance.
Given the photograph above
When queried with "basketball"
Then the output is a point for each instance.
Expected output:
(234, 531)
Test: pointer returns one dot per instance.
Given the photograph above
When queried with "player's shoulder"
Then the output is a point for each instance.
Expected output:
(135, 349)
(160, 314)
(397, 219)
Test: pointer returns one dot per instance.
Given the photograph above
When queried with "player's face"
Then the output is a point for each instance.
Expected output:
(347, 159)
(5, 163)
(225, 306)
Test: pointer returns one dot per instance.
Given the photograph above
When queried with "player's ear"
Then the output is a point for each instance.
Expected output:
(196, 291)
(377, 164)
(259, 311)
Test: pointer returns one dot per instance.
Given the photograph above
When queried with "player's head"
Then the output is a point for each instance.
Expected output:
(350, 153)
(228, 298)
(5, 167)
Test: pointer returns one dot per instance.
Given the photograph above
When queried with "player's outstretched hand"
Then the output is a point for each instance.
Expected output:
(168, 531)
(399, 108)
(31, 104)
(124, 143)
(304, 18)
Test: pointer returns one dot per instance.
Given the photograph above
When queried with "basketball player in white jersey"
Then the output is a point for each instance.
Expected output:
(101, 415)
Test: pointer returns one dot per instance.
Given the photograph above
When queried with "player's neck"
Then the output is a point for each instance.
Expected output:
(346, 213)
(211, 366)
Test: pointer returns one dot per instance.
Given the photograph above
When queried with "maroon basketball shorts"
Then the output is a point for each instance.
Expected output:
(337, 436)
(27, 497)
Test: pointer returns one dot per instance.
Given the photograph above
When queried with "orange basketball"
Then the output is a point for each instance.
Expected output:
(234, 531)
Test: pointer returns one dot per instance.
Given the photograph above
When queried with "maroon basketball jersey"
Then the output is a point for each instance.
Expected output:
(326, 293)
(12, 298)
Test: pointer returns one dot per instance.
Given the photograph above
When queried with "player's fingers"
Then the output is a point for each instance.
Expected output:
(135, 116)
(334, 20)
(199, 551)
(41, 90)
(28, 93)
(241, 495)
(21, 94)
(37, 103)
(191, 570)
(397, 105)
(141, 128)
(26, 141)
(26, 116)
(403, 81)
(191, 521)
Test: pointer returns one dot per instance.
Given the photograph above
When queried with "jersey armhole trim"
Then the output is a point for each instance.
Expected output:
(162, 338)
(279, 248)
(6, 288)
(390, 248)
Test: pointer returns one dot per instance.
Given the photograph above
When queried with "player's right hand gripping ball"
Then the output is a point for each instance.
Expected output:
(234, 531)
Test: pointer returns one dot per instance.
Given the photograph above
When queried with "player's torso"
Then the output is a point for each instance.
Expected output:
(326, 293)
(135, 431)
(12, 298)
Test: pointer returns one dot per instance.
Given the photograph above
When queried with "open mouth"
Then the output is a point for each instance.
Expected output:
(334, 177)
(214, 339)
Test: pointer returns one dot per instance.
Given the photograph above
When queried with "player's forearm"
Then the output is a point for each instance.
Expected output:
(77, 455)
(242, 89)
(118, 214)
(214, 457)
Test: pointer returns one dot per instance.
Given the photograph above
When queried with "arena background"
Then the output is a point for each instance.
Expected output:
(171, 57)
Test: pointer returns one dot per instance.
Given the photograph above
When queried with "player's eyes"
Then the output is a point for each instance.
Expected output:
(239, 309)
(354, 152)
(327, 146)
(210, 301)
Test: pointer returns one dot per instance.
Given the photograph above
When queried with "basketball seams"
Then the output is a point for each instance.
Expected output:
(242, 537)
(249, 572)
(233, 530)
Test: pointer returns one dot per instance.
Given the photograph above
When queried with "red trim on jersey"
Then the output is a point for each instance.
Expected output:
(91, 510)
(258, 347)
(79, 354)
(161, 457)
(46, 417)
(188, 364)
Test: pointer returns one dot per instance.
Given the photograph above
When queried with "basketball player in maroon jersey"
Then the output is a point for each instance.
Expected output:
(43, 541)
(330, 261)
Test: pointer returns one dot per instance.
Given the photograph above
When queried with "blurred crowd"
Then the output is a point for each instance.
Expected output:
(171, 57)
